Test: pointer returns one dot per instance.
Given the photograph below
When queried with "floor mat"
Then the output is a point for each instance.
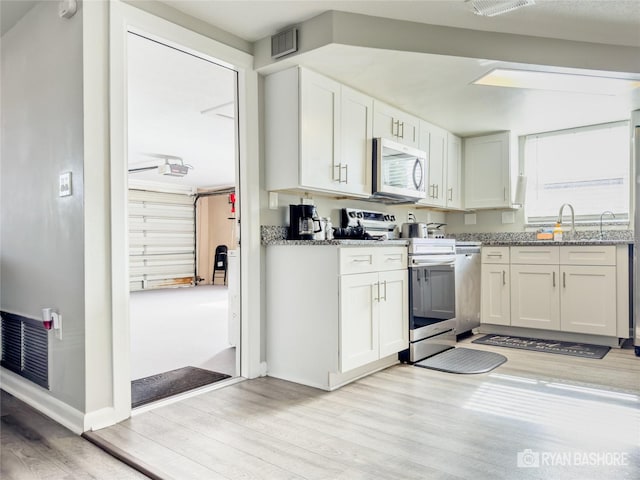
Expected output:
(162, 385)
(547, 346)
(463, 360)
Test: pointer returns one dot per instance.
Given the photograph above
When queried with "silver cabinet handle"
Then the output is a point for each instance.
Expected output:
(504, 277)
(402, 131)
(385, 290)
(437, 191)
(377, 285)
(395, 128)
(451, 194)
(554, 279)
(360, 260)
(504, 193)
(346, 173)
(499, 255)
(564, 279)
(339, 167)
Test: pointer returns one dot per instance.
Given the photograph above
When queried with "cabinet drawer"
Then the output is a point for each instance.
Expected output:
(495, 254)
(390, 258)
(547, 255)
(588, 255)
(357, 260)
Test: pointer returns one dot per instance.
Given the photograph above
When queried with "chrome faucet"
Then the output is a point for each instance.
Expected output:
(573, 218)
(603, 214)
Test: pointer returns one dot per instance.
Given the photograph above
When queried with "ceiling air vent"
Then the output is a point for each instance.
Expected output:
(285, 42)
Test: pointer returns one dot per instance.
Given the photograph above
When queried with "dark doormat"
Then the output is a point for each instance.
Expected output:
(463, 360)
(547, 346)
(162, 385)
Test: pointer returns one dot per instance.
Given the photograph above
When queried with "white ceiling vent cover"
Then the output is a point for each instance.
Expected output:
(284, 42)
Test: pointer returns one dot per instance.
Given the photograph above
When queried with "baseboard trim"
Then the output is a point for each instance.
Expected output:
(42, 400)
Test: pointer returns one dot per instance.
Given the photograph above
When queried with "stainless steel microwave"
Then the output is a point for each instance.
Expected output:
(399, 171)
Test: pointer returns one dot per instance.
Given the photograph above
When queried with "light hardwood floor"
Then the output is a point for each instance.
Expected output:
(578, 417)
(36, 447)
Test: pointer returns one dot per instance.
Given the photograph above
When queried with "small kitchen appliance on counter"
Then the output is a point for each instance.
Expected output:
(366, 224)
(304, 222)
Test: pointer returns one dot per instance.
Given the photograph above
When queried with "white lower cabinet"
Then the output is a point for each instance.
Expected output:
(535, 296)
(359, 319)
(588, 299)
(581, 289)
(334, 313)
(495, 294)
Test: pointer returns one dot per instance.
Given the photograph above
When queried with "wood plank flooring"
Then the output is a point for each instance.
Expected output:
(36, 447)
(579, 417)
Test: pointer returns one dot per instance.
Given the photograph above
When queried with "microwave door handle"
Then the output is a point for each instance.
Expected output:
(417, 167)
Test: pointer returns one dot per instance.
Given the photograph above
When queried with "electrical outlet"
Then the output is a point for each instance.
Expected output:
(57, 327)
(470, 219)
(508, 217)
(273, 200)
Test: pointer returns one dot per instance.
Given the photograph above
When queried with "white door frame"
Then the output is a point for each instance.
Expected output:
(123, 19)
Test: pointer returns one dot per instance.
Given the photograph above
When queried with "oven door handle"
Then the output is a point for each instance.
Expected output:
(433, 262)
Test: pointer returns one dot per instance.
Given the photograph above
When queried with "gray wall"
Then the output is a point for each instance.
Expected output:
(42, 244)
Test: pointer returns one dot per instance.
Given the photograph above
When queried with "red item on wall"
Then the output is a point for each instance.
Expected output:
(232, 201)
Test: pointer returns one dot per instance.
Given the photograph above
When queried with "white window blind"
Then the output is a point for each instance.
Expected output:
(587, 167)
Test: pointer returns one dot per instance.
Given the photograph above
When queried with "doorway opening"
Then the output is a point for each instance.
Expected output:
(182, 129)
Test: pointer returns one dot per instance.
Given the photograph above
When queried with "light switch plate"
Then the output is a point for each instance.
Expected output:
(64, 186)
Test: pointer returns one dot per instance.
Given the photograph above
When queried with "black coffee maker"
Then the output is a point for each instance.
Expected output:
(303, 222)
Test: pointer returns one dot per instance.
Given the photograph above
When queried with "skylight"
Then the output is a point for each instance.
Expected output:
(563, 82)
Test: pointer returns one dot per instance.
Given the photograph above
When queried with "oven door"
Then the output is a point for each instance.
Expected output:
(432, 300)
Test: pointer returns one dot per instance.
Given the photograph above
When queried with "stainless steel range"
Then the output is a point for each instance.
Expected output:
(432, 299)
(376, 225)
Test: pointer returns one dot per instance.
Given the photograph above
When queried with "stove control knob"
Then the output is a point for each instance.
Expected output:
(387, 218)
(352, 214)
(393, 218)
(359, 214)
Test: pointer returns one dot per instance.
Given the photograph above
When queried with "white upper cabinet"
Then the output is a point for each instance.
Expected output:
(394, 124)
(356, 142)
(453, 194)
(487, 168)
(318, 134)
(433, 140)
(319, 131)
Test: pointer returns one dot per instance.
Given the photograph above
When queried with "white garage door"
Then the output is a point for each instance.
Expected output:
(161, 240)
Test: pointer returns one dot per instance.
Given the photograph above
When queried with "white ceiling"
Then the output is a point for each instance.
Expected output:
(167, 92)
(601, 21)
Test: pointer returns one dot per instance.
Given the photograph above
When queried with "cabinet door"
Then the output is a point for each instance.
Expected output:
(356, 142)
(487, 171)
(454, 181)
(433, 140)
(535, 296)
(319, 128)
(393, 312)
(495, 295)
(391, 123)
(588, 299)
(359, 331)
